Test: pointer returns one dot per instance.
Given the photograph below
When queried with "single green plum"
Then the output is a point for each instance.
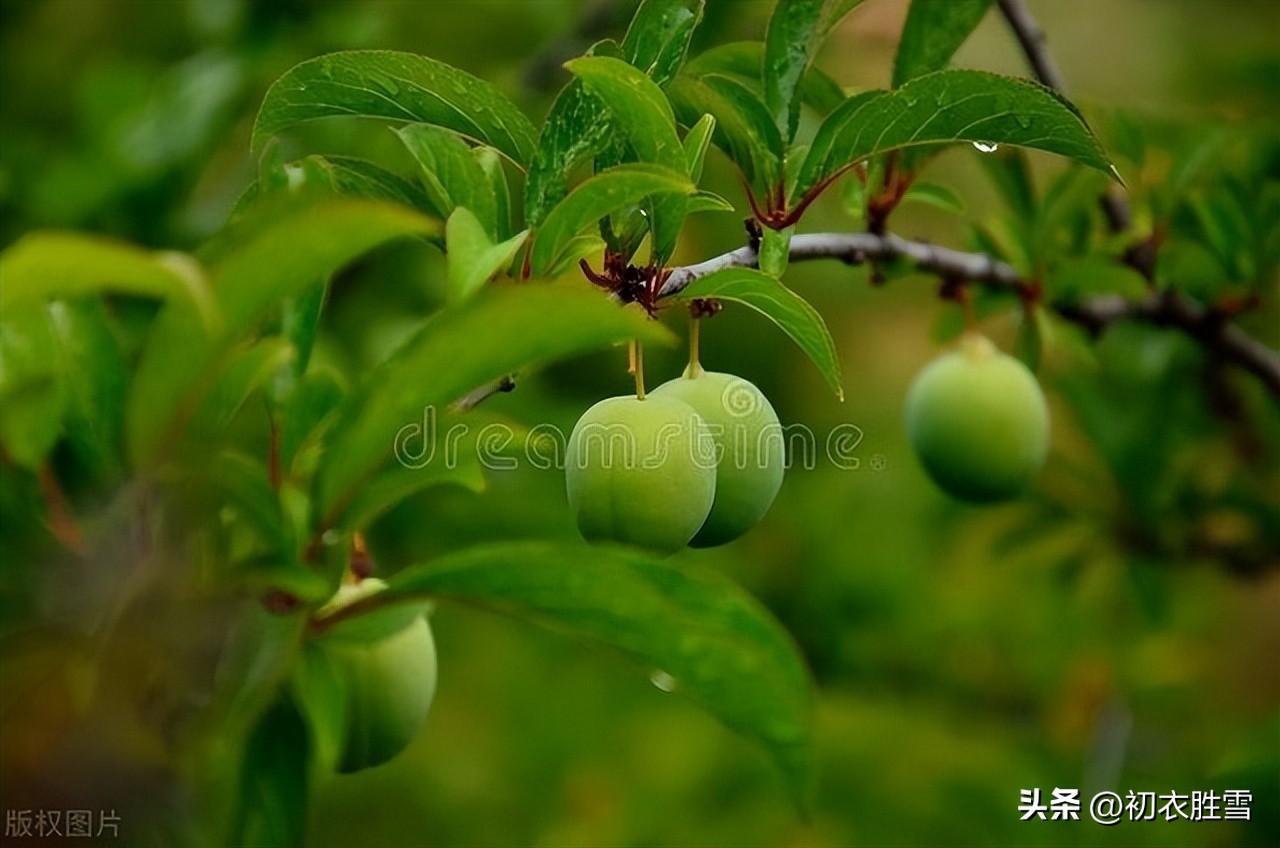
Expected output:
(641, 472)
(389, 679)
(749, 445)
(978, 422)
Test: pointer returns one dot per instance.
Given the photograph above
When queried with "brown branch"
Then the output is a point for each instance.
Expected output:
(480, 394)
(1034, 44)
(1170, 310)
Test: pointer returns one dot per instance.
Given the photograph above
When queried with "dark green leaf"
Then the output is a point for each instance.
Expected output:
(708, 639)
(790, 42)
(307, 405)
(933, 32)
(277, 259)
(948, 106)
(459, 348)
(743, 129)
(451, 174)
(594, 199)
(299, 323)
(245, 370)
(658, 38)
(745, 59)
(33, 397)
(1076, 279)
(342, 175)
(271, 805)
(782, 306)
(95, 379)
(398, 87)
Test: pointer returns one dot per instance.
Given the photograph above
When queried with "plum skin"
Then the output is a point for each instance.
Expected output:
(978, 422)
(640, 472)
(388, 683)
(749, 441)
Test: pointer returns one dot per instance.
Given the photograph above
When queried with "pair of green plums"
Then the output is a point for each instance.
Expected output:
(978, 422)
(697, 462)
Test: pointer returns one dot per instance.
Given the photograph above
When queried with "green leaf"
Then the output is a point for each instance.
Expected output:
(937, 196)
(398, 482)
(300, 322)
(271, 803)
(33, 398)
(948, 106)
(782, 306)
(709, 201)
(579, 247)
(745, 59)
(658, 38)
(641, 111)
(398, 87)
(775, 251)
(304, 409)
(95, 377)
(473, 259)
(1029, 343)
(461, 347)
(491, 163)
(278, 258)
(595, 198)
(933, 32)
(743, 130)
(451, 174)
(320, 692)
(47, 265)
(789, 44)
(1078, 278)
(710, 640)
(246, 370)
(696, 141)
(342, 175)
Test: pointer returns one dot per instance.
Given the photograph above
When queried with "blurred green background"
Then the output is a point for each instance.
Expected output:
(1118, 629)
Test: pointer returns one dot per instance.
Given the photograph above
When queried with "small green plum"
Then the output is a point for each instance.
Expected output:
(388, 681)
(978, 422)
(641, 472)
(749, 444)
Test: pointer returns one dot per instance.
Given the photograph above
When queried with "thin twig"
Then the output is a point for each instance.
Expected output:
(480, 394)
(1096, 314)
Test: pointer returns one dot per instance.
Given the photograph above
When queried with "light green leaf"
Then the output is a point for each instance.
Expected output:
(947, 106)
(276, 259)
(696, 141)
(451, 174)
(708, 639)
(933, 32)
(937, 196)
(709, 201)
(491, 164)
(641, 111)
(48, 265)
(775, 251)
(595, 198)
(398, 87)
(789, 44)
(473, 259)
(792, 313)
(461, 347)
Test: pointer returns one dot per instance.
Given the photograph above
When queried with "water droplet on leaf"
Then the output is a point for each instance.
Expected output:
(985, 146)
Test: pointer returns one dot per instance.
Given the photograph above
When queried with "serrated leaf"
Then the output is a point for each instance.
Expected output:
(696, 141)
(276, 259)
(712, 642)
(595, 198)
(397, 87)
(948, 106)
(472, 258)
(792, 313)
(641, 112)
(932, 33)
(451, 174)
(789, 45)
(46, 265)
(460, 347)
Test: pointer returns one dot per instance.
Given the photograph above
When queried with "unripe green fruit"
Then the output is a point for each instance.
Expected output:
(978, 422)
(749, 444)
(389, 683)
(641, 472)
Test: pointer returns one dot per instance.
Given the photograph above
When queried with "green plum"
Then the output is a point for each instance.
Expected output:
(389, 679)
(749, 442)
(641, 472)
(977, 420)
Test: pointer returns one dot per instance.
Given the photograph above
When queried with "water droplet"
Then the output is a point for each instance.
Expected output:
(985, 146)
(663, 681)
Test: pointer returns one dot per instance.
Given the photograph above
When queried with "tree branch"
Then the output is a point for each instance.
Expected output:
(1162, 309)
(1035, 45)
